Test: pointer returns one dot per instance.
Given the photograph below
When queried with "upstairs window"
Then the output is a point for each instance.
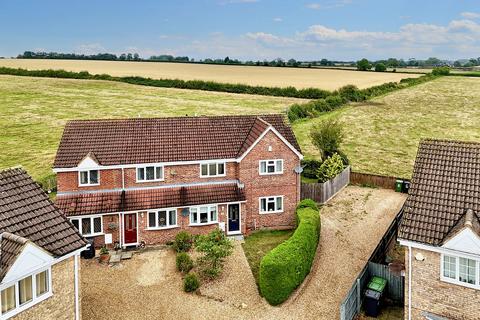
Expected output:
(213, 169)
(271, 167)
(88, 226)
(271, 204)
(149, 173)
(461, 271)
(89, 178)
(162, 219)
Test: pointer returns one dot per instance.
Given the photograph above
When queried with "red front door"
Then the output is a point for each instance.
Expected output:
(130, 228)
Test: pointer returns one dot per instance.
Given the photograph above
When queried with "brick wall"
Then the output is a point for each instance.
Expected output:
(429, 294)
(60, 306)
(109, 179)
(256, 185)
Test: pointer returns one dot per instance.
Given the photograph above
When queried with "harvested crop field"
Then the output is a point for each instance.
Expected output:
(382, 135)
(326, 79)
(33, 111)
(148, 287)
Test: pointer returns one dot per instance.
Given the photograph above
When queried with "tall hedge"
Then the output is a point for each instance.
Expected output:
(284, 268)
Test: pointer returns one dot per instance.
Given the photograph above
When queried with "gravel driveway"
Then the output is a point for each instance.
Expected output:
(148, 287)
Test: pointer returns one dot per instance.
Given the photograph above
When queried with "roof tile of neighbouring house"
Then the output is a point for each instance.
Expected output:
(27, 212)
(132, 141)
(155, 198)
(445, 184)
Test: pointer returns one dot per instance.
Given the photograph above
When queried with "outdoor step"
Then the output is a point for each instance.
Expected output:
(115, 258)
(126, 255)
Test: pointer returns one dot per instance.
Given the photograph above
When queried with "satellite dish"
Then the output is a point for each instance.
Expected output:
(185, 212)
(298, 169)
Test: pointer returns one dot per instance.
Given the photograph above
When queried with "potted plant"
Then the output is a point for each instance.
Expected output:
(104, 255)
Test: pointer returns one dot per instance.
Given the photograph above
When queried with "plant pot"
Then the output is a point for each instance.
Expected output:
(104, 258)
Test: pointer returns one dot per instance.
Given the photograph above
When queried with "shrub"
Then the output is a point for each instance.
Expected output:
(215, 248)
(441, 71)
(285, 267)
(183, 242)
(327, 137)
(351, 93)
(380, 67)
(307, 203)
(191, 282)
(184, 262)
(310, 167)
(330, 168)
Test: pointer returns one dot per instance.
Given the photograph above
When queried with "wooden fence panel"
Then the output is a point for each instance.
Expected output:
(385, 182)
(322, 192)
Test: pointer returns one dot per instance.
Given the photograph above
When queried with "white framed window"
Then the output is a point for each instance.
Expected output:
(25, 293)
(161, 219)
(150, 173)
(460, 270)
(272, 204)
(212, 169)
(267, 167)
(203, 215)
(89, 178)
(88, 226)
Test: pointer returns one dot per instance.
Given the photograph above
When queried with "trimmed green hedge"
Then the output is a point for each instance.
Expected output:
(308, 93)
(284, 268)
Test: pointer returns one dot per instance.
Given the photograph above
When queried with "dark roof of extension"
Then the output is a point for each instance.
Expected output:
(133, 200)
(131, 141)
(445, 187)
(26, 212)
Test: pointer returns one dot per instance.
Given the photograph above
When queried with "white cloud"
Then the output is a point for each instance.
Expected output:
(328, 4)
(278, 19)
(225, 2)
(90, 48)
(470, 15)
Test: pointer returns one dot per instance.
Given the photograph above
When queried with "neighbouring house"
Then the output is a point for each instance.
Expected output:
(441, 231)
(140, 181)
(39, 253)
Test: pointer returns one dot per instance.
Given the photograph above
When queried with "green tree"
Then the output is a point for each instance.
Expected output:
(327, 137)
(363, 65)
(330, 168)
(380, 67)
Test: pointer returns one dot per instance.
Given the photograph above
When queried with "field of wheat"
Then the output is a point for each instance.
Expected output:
(326, 79)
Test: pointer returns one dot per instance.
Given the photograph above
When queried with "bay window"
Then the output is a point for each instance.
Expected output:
(162, 219)
(89, 178)
(461, 271)
(203, 215)
(149, 173)
(271, 204)
(212, 169)
(88, 226)
(267, 167)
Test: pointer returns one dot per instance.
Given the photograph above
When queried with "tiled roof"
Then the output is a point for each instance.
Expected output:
(155, 198)
(445, 185)
(10, 247)
(26, 211)
(132, 141)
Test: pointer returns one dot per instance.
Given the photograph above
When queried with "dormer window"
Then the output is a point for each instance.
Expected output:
(89, 178)
(149, 173)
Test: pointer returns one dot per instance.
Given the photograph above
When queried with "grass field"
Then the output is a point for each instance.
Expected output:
(33, 111)
(326, 79)
(382, 135)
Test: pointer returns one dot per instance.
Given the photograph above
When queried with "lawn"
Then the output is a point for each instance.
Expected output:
(260, 243)
(33, 111)
(382, 135)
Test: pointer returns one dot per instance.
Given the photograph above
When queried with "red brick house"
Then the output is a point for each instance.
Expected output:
(141, 181)
(39, 253)
(441, 231)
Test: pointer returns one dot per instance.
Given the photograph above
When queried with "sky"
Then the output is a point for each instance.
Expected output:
(245, 29)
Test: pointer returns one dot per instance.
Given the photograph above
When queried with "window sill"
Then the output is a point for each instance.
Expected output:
(217, 176)
(28, 305)
(88, 185)
(459, 283)
(272, 174)
(203, 224)
(268, 212)
(149, 181)
(162, 228)
(93, 235)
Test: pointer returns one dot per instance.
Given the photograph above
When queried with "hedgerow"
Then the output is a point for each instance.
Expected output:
(309, 93)
(285, 267)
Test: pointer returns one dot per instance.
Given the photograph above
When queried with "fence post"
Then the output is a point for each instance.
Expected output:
(359, 293)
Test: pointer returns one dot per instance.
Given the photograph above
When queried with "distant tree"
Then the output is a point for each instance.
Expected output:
(122, 57)
(226, 60)
(363, 65)
(327, 137)
(457, 64)
(392, 63)
(324, 62)
(433, 62)
(136, 57)
(129, 57)
(292, 62)
(380, 67)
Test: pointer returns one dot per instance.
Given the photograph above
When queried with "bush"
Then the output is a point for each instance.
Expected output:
(380, 67)
(215, 248)
(183, 242)
(307, 203)
(327, 137)
(441, 71)
(330, 168)
(184, 262)
(191, 282)
(285, 267)
(310, 168)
